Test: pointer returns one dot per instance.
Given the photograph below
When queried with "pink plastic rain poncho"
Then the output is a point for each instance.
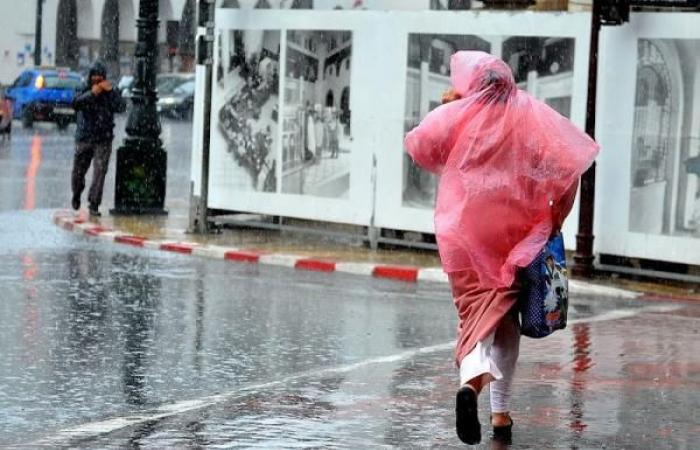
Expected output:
(504, 159)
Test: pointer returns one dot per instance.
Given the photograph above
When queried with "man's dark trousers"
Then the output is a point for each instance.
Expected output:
(86, 152)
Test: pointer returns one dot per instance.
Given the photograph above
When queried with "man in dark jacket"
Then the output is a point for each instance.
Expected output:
(95, 107)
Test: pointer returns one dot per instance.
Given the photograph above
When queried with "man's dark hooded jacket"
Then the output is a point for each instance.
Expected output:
(95, 120)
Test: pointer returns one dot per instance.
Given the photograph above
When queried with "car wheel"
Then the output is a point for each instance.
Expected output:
(27, 117)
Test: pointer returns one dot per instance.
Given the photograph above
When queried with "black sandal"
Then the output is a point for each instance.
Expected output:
(503, 433)
(467, 412)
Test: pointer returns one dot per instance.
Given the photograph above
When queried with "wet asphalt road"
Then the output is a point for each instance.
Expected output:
(105, 346)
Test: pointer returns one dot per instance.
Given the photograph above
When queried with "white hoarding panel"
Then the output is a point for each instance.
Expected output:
(648, 181)
(549, 57)
(289, 136)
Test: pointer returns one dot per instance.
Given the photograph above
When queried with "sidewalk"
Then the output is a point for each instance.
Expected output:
(318, 253)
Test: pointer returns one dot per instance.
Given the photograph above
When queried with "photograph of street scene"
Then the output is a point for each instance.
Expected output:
(665, 171)
(542, 66)
(247, 79)
(316, 139)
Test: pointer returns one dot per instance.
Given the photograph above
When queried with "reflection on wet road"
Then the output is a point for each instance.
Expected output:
(163, 351)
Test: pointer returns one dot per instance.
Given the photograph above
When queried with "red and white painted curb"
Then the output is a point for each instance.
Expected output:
(69, 221)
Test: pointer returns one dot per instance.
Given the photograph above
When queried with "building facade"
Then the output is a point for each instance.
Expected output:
(76, 32)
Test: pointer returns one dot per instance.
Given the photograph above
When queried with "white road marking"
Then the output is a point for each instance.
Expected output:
(584, 288)
(96, 429)
(625, 313)
(93, 430)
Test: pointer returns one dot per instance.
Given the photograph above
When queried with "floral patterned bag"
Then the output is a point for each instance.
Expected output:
(544, 298)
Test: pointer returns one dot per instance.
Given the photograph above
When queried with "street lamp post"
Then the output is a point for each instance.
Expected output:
(604, 12)
(142, 160)
(583, 258)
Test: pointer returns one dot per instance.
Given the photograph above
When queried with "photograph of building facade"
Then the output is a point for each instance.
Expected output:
(665, 170)
(248, 88)
(316, 114)
(542, 66)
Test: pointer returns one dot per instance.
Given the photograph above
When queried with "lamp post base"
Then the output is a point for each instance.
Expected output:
(140, 178)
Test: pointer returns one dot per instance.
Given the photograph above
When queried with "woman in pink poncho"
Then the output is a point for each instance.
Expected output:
(509, 167)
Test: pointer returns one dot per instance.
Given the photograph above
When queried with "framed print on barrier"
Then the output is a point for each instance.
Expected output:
(282, 137)
(648, 181)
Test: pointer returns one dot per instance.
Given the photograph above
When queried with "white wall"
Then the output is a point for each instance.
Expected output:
(17, 36)
(17, 29)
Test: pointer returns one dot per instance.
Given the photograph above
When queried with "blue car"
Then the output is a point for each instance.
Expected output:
(44, 94)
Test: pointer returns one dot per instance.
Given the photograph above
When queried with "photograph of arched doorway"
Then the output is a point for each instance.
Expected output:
(665, 162)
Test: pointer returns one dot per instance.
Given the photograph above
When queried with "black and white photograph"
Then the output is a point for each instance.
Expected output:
(316, 138)
(665, 171)
(542, 66)
(247, 80)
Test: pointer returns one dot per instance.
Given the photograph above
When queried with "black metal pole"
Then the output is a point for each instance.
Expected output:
(142, 161)
(583, 258)
(37, 32)
(205, 52)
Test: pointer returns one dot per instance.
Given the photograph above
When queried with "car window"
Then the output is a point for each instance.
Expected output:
(168, 84)
(185, 88)
(17, 81)
(23, 80)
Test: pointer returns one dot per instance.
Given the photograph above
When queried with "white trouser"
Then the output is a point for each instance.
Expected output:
(495, 357)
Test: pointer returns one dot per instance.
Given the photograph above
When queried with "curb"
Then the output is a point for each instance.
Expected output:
(410, 274)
